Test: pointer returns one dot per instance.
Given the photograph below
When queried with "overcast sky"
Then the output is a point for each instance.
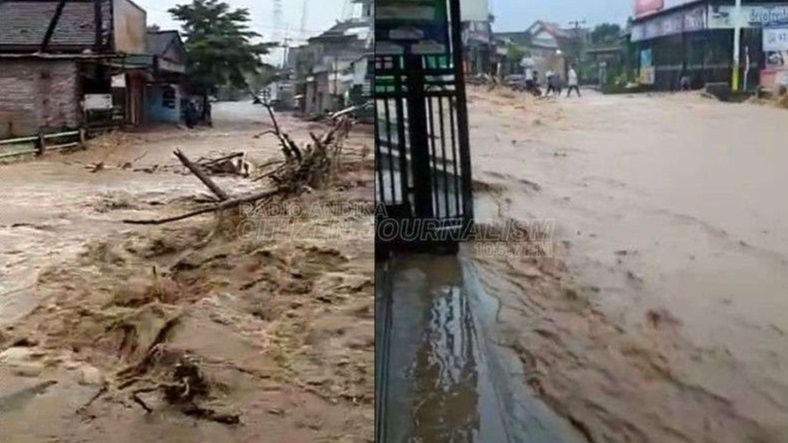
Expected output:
(516, 15)
(320, 16)
(511, 15)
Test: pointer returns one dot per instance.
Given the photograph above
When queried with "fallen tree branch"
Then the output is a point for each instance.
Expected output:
(135, 396)
(227, 204)
(200, 174)
(209, 162)
(82, 409)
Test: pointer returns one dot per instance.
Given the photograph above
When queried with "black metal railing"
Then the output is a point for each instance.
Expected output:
(423, 170)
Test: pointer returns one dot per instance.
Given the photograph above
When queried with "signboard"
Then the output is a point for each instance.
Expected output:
(646, 7)
(675, 23)
(774, 78)
(118, 81)
(775, 39)
(775, 48)
(475, 10)
(411, 26)
(753, 16)
(695, 19)
(781, 78)
(647, 71)
(95, 102)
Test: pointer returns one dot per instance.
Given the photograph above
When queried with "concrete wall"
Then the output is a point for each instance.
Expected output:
(38, 94)
(129, 22)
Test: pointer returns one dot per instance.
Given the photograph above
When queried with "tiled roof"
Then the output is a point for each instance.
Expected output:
(24, 23)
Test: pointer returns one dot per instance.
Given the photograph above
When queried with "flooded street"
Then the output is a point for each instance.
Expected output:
(54, 205)
(671, 224)
(276, 328)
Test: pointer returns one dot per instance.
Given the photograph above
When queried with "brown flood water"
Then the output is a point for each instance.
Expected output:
(672, 215)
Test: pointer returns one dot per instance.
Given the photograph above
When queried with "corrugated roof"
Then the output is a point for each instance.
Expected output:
(358, 28)
(157, 42)
(24, 23)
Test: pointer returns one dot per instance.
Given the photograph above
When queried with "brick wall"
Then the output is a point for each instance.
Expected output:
(38, 94)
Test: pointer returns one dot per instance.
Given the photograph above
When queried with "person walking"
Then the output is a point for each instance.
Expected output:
(572, 81)
(529, 80)
(191, 114)
(550, 76)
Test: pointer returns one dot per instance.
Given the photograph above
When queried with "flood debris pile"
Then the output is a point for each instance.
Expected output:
(217, 322)
(304, 169)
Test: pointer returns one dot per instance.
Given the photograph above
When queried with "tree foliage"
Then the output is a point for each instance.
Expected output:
(516, 53)
(221, 48)
(606, 33)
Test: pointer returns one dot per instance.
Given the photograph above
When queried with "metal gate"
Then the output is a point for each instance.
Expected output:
(423, 166)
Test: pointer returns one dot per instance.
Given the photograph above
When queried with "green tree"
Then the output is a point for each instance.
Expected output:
(606, 33)
(220, 46)
(516, 53)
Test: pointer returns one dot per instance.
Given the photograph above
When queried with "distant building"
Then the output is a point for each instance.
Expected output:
(166, 53)
(100, 66)
(546, 46)
(479, 51)
(331, 62)
(695, 39)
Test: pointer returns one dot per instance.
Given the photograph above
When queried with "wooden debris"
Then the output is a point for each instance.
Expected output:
(200, 174)
(227, 204)
(305, 167)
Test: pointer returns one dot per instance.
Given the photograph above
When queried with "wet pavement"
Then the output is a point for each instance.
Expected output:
(441, 375)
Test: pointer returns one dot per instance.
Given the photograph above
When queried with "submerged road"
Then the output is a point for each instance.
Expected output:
(671, 215)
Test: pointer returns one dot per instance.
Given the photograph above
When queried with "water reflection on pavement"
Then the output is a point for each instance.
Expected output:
(439, 379)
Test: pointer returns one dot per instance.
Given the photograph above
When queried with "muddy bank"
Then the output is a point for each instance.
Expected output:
(662, 318)
(215, 328)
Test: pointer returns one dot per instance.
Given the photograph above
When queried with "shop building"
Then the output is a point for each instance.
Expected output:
(696, 38)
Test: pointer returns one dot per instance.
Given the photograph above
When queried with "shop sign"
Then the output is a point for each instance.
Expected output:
(646, 7)
(775, 47)
(671, 24)
(653, 29)
(638, 32)
(753, 16)
(118, 81)
(775, 39)
(98, 102)
(695, 19)
(411, 26)
(676, 23)
(647, 76)
(647, 71)
(781, 78)
(474, 10)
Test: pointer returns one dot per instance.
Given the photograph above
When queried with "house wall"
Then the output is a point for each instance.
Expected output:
(37, 94)
(163, 103)
(544, 38)
(129, 22)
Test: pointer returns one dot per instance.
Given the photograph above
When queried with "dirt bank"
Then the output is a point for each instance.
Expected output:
(237, 328)
(662, 315)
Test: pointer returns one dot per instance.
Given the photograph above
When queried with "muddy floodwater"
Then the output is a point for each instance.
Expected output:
(97, 316)
(671, 220)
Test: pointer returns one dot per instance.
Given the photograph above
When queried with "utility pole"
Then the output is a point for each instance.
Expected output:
(578, 44)
(736, 46)
(304, 8)
(285, 46)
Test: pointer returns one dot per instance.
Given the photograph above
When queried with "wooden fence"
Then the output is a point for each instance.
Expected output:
(43, 143)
